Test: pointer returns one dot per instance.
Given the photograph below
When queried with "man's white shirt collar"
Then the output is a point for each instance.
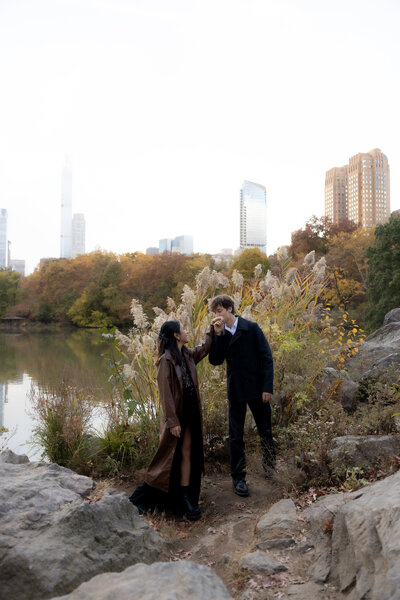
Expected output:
(232, 329)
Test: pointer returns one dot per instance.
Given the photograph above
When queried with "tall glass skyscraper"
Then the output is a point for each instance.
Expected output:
(253, 216)
(3, 238)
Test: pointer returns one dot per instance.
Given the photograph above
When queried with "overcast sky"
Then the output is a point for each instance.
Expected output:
(166, 106)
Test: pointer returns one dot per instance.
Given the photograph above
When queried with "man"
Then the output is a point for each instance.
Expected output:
(249, 380)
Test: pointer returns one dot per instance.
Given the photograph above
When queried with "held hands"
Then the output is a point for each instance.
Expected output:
(176, 431)
(218, 324)
(266, 397)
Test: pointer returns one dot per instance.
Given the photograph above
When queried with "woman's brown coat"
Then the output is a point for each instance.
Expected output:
(169, 379)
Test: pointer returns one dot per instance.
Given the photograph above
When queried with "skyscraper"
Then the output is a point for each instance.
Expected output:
(253, 216)
(336, 194)
(369, 188)
(3, 238)
(360, 191)
(182, 244)
(78, 234)
(66, 211)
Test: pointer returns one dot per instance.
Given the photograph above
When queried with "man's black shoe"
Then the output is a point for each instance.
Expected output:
(240, 487)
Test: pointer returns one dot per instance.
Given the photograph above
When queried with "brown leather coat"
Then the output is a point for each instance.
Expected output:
(169, 379)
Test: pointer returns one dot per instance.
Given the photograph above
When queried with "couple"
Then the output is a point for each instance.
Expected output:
(173, 477)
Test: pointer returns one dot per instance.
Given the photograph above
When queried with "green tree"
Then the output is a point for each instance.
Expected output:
(384, 272)
(248, 259)
(9, 288)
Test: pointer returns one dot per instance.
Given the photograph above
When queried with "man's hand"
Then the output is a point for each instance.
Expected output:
(266, 397)
(218, 324)
(176, 431)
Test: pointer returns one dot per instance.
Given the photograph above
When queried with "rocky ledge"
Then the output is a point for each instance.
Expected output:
(53, 538)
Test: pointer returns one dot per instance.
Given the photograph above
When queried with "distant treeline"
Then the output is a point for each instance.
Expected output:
(96, 289)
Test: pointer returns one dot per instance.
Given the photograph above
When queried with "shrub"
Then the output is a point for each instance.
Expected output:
(63, 426)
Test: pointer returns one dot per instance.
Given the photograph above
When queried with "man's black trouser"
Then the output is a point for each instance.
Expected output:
(262, 416)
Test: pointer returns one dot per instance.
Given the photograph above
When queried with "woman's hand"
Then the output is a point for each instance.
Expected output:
(176, 431)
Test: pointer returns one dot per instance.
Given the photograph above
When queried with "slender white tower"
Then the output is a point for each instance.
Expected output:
(66, 210)
(3, 238)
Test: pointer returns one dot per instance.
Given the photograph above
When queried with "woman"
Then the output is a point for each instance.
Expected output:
(173, 477)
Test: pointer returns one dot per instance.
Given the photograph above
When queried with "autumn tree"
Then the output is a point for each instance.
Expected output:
(248, 259)
(316, 236)
(348, 268)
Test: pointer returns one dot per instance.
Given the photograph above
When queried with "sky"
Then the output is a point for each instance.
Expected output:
(165, 107)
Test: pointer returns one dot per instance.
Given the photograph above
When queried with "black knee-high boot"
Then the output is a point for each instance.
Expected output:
(193, 513)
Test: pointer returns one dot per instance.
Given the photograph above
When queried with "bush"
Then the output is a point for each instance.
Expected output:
(63, 429)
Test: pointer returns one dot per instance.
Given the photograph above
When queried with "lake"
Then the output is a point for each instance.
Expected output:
(41, 360)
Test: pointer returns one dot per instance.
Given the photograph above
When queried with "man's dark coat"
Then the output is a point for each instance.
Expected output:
(249, 361)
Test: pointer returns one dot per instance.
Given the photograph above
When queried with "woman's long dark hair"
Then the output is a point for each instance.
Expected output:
(167, 341)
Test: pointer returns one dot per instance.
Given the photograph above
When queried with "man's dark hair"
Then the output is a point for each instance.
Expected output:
(222, 300)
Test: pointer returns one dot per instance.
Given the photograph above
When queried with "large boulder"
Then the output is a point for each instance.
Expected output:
(387, 366)
(384, 342)
(53, 537)
(345, 389)
(164, 581)
(357, 540)
(362, 450)
(393, 316)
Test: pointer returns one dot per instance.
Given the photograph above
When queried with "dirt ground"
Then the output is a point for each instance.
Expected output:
(226, 532)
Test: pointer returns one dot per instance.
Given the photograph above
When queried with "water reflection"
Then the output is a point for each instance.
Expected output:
(3, 401)
(42, 361)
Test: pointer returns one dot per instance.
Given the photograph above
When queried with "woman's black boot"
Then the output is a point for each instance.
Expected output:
(193, 513)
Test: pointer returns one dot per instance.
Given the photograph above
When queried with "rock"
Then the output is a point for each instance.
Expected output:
(362, 451)
(361, 547)
(280, 517)
(164, 581)
(393, 316)
(305, 546)
(386, 366)
(52, 539)
(376, 347)
(276, 543)
(8, 456)
(320, 515)
(346, 391)
(261, 563)
(306, 591)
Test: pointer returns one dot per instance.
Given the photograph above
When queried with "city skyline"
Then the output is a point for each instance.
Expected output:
(162, 128)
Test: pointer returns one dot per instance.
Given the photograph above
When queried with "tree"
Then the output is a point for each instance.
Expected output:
(316, 236)
(384, 272)
(248, 259)
(312, 237)
(348, 268)
(9, 288)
